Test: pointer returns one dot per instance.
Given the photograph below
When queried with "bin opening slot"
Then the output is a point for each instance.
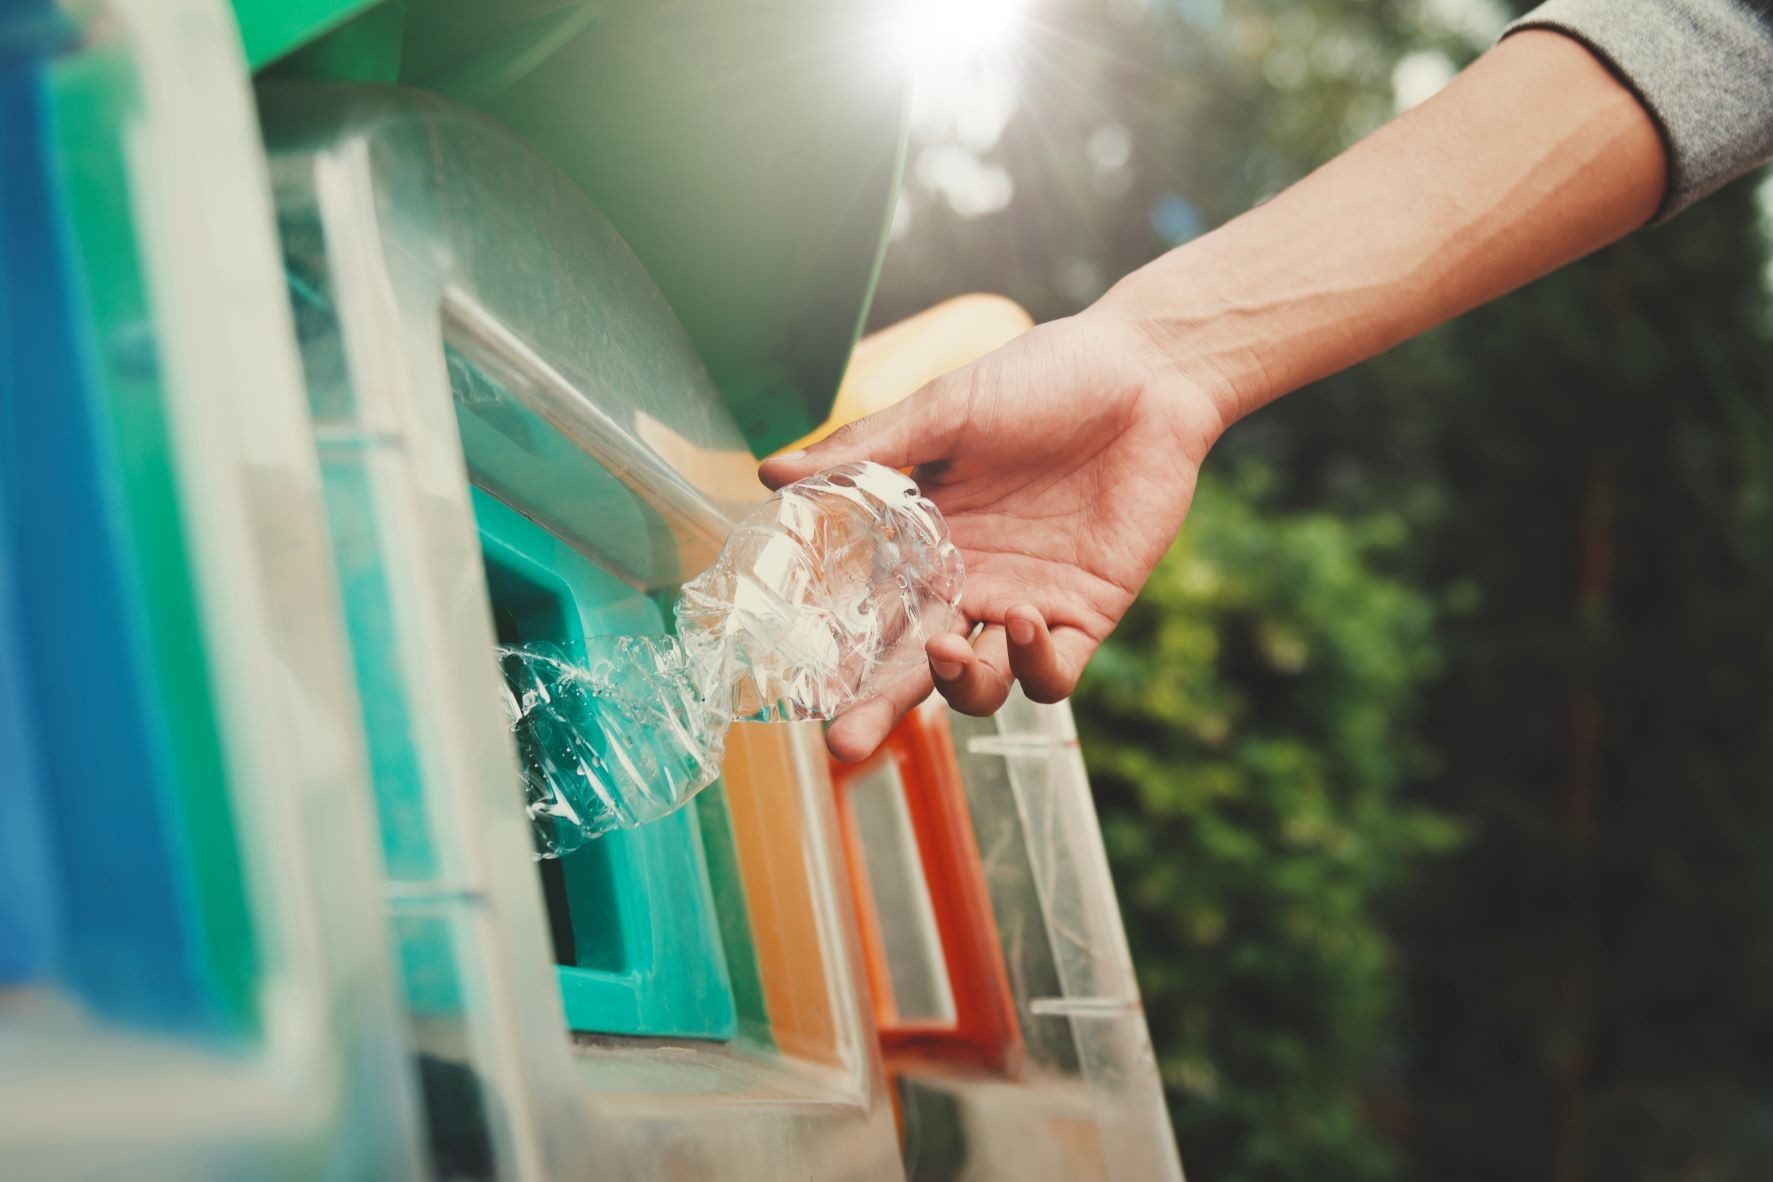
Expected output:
(529, 606)
(631, 913)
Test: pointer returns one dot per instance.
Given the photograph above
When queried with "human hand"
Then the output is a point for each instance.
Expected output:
(1064, 463)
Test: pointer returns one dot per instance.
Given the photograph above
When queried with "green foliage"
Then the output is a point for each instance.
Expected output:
(1586, 469)
(1248, 731)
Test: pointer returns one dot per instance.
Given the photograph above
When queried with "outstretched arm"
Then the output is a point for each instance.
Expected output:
(1533, 157)
(1065, 461)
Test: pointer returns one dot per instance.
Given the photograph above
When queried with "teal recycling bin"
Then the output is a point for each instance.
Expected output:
(632, 912)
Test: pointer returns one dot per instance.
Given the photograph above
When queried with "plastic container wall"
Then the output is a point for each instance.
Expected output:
(940, 989)
(1087, 1101)
(521, 445)
(210, 1001)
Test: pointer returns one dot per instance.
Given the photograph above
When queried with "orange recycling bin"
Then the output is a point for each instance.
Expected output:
(941, 993)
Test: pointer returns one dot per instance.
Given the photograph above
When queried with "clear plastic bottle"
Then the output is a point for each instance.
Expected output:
(822, 597)
(611, 740)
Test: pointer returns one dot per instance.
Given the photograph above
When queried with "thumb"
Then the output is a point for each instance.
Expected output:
(920, 430)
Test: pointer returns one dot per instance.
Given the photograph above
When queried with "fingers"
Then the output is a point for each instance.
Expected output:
(1047, 663)
(950, 656)
(919, 430)
(975, 677)
(855, 734)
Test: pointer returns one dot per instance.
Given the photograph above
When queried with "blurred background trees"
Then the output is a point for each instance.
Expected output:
(1433, 761)
(1248, 734)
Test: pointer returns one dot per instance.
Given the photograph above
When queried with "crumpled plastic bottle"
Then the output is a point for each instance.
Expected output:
(822, 597)
(610, 741)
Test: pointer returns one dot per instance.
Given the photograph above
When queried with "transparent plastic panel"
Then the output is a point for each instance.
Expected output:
(748, 152)
(551, 464)
(465, 1053)
(508, 403)
(1099, 993)
(1015, 903)
(733, 916)
(1088, 1094)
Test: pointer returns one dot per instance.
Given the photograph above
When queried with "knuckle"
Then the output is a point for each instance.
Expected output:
(850, 435)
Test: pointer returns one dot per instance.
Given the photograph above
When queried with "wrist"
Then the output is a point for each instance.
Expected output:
(1183, 389)
(1182, 332)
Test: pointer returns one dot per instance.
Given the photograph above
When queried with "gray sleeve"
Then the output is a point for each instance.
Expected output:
(1703, 69)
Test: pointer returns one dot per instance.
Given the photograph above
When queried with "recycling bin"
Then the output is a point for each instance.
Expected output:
(342, 341)
(519, 444)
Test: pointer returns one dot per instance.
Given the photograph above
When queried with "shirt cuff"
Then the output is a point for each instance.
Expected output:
(1703, 70)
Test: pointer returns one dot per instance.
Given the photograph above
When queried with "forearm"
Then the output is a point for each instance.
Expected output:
(1533, 157)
